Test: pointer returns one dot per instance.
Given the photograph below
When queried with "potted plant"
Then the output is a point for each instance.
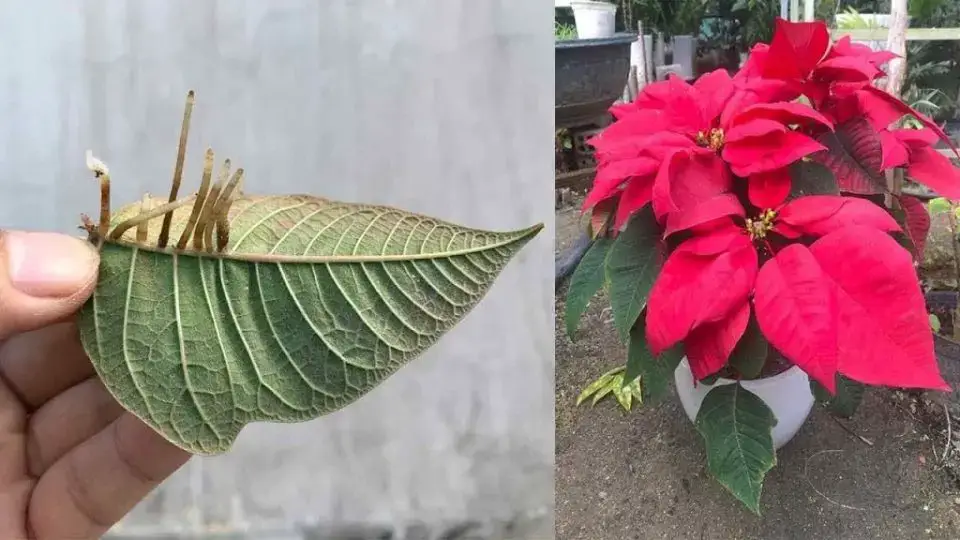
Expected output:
(749, 242)
(594, 19)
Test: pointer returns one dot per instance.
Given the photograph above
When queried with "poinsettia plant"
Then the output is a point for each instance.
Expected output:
(749, 223)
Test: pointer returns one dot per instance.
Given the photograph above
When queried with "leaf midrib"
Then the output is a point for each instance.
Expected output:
(521, 235)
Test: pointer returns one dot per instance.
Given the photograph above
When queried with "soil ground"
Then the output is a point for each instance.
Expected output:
(642, 475)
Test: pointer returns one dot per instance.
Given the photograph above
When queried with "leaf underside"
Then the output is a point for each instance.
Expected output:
(855, 156)
(199, 345)
(737, 427)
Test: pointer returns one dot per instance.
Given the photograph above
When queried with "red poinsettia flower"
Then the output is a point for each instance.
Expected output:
(849, 302)
(801, 53)
(677, 144)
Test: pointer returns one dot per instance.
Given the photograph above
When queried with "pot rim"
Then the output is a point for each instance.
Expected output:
(620, 38)
(755, 383)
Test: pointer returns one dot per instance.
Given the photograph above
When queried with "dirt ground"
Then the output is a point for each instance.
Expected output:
(642, 475)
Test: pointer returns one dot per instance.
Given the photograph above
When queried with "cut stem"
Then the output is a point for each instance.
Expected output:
(222, 210)
(203, 236)
(104, 205)
(178, 169)
(143, 227)
(201, 198)
(163, 210)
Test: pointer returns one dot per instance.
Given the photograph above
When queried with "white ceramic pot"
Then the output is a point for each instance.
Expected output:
(594, 19)
(787, 394)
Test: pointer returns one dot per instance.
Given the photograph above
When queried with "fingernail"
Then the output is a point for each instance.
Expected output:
(47, 264)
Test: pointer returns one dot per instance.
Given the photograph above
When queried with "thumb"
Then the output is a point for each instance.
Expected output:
(44, 278)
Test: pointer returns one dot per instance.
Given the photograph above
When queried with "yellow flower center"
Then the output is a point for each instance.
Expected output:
(712, 139)
(759, 226)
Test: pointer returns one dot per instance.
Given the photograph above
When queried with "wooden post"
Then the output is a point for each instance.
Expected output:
(896, 73)
(897, 44)
(809, 9)
(795, 10)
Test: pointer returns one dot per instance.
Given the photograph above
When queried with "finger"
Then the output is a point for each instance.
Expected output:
(40, 364)
(94, 485)
(67, 420)
(44, 277)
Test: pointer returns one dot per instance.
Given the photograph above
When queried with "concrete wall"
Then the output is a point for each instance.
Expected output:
(441, 106)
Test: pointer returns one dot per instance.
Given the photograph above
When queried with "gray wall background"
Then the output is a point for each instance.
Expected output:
(438, 106)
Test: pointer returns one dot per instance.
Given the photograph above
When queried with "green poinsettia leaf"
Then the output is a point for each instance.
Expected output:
(750, 353)
(632, 266)
(847, 399)
(586, 281)
(808, 177)
(737, 427)
(655, 372)
(311, 304)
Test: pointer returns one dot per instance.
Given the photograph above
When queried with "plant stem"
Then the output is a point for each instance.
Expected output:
(164, 210)
(143, 227)
(223, 209)
(178, 168)
(203, 235)
(201, 198)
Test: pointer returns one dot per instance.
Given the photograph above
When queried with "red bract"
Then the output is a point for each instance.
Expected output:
(802, 55)
(702, 292)
(913, 149)
(850, 303)
(677, 144)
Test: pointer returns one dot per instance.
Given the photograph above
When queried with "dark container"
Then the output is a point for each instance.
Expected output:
(590, 75)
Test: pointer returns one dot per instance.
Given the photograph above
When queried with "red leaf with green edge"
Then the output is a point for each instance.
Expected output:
(884, 335)
(916, 222)
(855, 156)
(601, 216)
(694, 289)
(797, 313)
(817, 215)
(709, 345)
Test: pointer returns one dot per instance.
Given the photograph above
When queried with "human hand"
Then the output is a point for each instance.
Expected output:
(72, 461)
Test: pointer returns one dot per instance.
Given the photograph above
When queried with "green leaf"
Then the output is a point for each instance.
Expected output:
(737, 427)
(595, 386)
(620, 391)
(934, 323)
(847, 399)
(750, 354)
(310, 306)
(632, 266)
(656, 373)
(939, 205)
(586, 281)
(811, 178)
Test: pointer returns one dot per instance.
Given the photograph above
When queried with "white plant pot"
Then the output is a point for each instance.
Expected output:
(787, 394)
(594, 19)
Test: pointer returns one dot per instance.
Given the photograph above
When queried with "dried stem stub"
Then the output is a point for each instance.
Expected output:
(211, 204)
